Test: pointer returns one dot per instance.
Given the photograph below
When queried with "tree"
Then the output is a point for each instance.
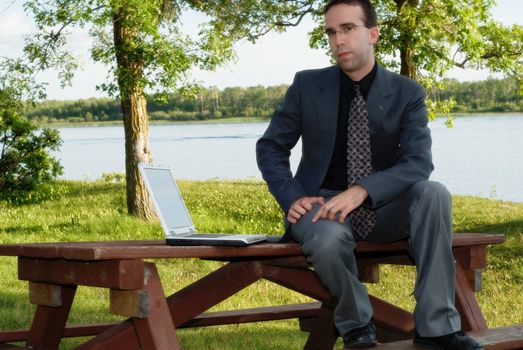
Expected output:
(423, 39)
(143, 43)
(25, 162)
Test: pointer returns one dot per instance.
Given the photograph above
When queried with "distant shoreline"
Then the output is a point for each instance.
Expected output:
(161, 122)
(242, 120)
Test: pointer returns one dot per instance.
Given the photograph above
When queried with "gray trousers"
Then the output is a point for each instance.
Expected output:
(423, 214)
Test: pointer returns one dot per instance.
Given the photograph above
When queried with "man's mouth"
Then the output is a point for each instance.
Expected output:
(343, 54)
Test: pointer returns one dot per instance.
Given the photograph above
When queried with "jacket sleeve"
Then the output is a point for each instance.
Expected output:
(414, 163)
(273, 149)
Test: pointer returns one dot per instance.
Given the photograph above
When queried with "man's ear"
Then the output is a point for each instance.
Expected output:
(374, 35)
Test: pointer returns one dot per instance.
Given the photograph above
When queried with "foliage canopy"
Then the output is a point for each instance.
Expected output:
(25, 162)
(424, 39)
(420, 39)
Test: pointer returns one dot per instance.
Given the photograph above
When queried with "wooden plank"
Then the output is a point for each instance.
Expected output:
(288, 261)
(302, 280)
(368, 272)
(156, 331)
(14, 335)
(11, 347)
(467, 239)
(120, 274)
(502, 338)
(45, 294)
(158, 249)
(115, 250)
(165, 251)
(471, 257)
(80, 330)
(270, 313)
(393, 258)
(49, 322)
(203, 294)
(121, 336)
(471, 316)
(130, 303)
(391, 317)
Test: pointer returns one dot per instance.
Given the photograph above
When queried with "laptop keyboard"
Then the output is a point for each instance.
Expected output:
(207, 235)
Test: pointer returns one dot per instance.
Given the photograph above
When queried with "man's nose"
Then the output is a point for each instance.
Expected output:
(339, 39)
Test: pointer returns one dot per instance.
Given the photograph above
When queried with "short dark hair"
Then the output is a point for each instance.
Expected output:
(369, 11)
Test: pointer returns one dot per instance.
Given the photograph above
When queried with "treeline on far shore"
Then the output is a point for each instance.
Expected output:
(492, 95)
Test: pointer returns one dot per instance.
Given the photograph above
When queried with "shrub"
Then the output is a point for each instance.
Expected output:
(25, 162)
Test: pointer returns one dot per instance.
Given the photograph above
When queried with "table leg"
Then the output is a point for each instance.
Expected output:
(49, 322)
(184, 304)
(323, 334)
(467, 304)
(156, 331)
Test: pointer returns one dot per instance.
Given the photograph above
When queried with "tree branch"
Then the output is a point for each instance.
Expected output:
(53, 37)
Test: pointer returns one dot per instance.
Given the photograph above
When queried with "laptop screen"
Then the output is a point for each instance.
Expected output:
(168, 198)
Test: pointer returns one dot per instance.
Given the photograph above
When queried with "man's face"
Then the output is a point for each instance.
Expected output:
(351, 43)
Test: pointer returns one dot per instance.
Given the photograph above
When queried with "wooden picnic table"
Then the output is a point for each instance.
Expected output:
(54, 270)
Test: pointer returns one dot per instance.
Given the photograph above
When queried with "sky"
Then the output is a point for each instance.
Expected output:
(273, 60)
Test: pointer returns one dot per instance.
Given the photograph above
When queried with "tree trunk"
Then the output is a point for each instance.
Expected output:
(408, 67)
(135, 117)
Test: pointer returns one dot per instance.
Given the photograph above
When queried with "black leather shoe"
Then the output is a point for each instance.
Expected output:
(454, 341)
(363, 337)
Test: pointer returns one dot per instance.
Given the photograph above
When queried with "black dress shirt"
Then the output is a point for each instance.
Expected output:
(336, 177)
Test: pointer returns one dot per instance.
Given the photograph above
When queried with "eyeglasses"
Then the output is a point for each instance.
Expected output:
(346, 30)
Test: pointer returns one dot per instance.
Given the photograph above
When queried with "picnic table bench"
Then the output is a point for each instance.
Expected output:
(54, 270)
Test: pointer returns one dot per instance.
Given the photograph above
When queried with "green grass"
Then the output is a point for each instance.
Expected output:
(86, 211)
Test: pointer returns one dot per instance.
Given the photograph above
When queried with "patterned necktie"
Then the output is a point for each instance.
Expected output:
(359, 163)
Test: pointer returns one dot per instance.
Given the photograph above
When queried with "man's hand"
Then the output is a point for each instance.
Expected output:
(344, 203)
(301, 206)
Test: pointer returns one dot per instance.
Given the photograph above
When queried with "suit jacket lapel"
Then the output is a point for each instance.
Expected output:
(379, 99)
(327, 101)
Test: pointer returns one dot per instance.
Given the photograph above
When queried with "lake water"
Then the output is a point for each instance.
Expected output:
(479, 156)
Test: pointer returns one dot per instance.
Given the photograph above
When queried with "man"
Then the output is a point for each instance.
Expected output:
(363, 175)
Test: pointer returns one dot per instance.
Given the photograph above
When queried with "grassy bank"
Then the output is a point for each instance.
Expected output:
(85, 211)
(61, 124)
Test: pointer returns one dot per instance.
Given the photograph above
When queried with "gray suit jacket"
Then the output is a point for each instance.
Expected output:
(400, 138)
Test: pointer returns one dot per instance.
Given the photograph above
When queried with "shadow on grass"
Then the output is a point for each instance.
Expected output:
(60, 189)
(36, 229)
(508, 228)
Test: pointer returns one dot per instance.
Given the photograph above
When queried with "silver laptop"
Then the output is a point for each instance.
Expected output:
(174, 216)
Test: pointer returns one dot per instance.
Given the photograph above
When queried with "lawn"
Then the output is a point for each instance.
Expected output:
(86, 211)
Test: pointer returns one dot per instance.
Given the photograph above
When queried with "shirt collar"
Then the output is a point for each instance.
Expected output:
(365, 83)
